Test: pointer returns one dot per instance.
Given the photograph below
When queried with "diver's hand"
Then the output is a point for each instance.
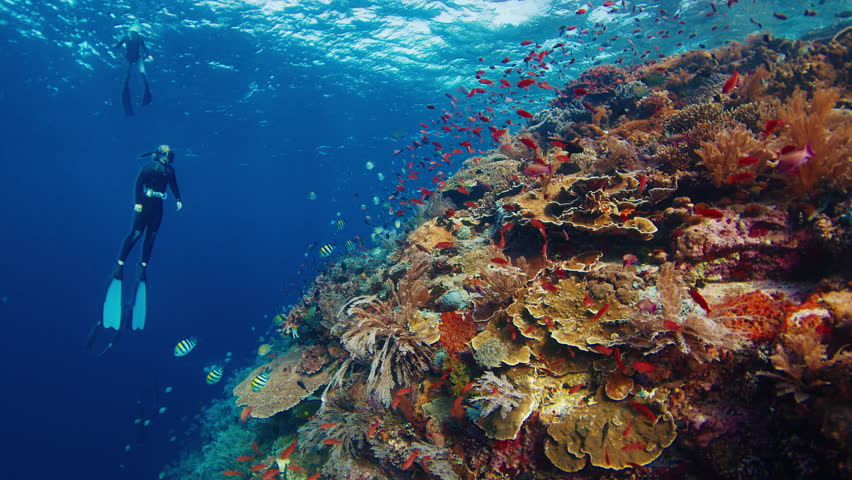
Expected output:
(150, 58)
(179, 205)
(137, 208)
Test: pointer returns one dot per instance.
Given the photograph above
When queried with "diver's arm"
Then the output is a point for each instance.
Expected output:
(139, 191)
(144, 48)
(174, 186)
(120, 42)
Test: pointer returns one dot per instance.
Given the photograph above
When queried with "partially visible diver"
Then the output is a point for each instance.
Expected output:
(134, 48)
(149, 192)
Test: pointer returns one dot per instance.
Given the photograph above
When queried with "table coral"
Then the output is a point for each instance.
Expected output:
(609, 434)
(285, 388)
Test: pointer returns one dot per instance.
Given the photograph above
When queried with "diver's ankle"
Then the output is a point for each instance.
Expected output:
(121, 263)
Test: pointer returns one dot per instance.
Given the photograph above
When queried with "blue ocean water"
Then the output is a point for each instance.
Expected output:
(263, 102)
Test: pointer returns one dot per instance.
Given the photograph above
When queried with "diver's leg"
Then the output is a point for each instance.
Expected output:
(146, 98)
(132, 237)
(125, 93)
(155, 216)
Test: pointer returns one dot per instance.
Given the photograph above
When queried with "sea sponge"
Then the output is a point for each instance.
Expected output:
(313, 359)
(490, 352)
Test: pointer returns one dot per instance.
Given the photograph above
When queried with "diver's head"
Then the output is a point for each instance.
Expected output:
(164, 154)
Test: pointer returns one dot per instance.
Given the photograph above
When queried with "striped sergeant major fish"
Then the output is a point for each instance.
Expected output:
(326, 250)
(214, 376)
(260, 381)
(183, 347)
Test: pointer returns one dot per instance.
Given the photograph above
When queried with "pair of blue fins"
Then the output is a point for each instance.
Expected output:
(115, 315)
(114, 311)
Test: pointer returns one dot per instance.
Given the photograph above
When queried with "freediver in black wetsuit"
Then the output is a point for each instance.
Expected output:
(150, 191)
(149, 194)
(134, 47)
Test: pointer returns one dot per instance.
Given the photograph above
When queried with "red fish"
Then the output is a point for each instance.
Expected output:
(643, 367)
(331, 441)
(745, 161)
(314, 476)
(467, 387)
(633, 446)
(772, 125)
(696, 296)
(618, 359)
(603, 350)
(485, 81)
(270, 474)
(608, 3)
(779, 16)
(731, 83)
(245, 458)
(675, 327)
(256, 448)
(245, 414)
(530, 143)
(450, 212)
(442, 245)
(500, 261)
(327, 425)
(526, 42)
(396, 401)
(403, 391)
(580, 92)
(463, 191)
(525, 83)
(525, 113)
(709, 212)
(549, 287)
(576, 388)
(740, 177)
(601, 312)
(288, 451)
(470, 204)
(411, 458)
(580, 12)
(626, 431)
(587, 301)
(259, 467)
(643, 410)
(232, 473)
(536, 170)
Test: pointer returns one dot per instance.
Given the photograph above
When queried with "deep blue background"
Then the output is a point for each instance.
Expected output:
(219, 265)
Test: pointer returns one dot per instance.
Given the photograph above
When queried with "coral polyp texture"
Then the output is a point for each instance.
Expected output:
(650, 282)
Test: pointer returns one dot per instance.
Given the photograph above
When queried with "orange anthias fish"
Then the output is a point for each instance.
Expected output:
(327, 425)
(245, 414)
(525, 113)
(331, 441)
(245, 458)
(232, 473)
(288, 451)
(731, 83)
(411, 458)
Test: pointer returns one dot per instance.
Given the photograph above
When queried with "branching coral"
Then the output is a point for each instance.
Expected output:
(688, 328)
(814, 122)
(722, 155)
(383, 335)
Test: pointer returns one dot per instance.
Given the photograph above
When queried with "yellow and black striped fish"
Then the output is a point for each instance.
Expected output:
(326, 250)
(258, 382)
(185, 346)
(350, 245)
(215, 375)
(340, 224)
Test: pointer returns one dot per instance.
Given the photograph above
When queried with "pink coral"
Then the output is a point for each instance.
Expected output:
(758, 247)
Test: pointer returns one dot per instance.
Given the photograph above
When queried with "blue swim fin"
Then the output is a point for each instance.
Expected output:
(112, 305)
(140, 303)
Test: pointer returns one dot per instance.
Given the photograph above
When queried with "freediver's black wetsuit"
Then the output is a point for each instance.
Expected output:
(156, 177)
(135, 45)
